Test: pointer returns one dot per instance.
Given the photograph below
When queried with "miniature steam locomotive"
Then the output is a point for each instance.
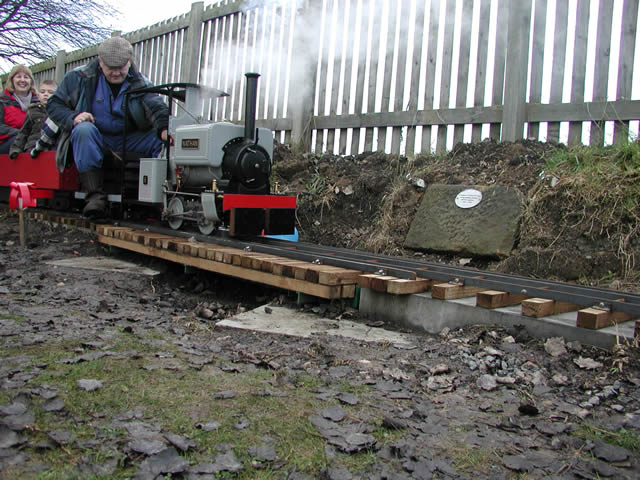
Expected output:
(213, 175)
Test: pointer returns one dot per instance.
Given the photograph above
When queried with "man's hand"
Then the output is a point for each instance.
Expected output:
(83, 117)
(164, 134)
(34, 153)
(13, 155)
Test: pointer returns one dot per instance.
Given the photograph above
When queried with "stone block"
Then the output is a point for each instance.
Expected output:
(489, 228)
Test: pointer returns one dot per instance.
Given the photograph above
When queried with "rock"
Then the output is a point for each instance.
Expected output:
(555, 346)
(348, 398)
(147, 446)
(181, 443)
(61, 437)
(241, 424)
(9, 438)
(487, 382)
(210, 426)
(264, 453)
(560, 379)
(610, 453)
(587, 363)
(517, 463)
(89, 385)
(167, 461)
(224, 395)
(227, 462)
(335, 413)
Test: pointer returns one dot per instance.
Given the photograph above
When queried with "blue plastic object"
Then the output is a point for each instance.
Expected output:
(290, 238)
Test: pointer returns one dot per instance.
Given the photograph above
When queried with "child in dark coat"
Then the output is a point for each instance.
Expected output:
(32, 129)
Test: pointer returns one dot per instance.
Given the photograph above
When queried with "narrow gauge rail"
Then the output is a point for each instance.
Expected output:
(412, 269)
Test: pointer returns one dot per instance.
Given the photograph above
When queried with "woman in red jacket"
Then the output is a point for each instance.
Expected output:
(18, 94)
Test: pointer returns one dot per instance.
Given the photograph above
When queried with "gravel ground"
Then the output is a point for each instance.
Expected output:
(479, 402)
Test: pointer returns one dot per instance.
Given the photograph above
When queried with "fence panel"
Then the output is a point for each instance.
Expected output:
(353, 75)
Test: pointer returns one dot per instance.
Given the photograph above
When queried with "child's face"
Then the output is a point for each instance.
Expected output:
(44, 92)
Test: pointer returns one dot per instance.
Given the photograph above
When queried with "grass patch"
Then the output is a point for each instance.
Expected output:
(596, 192)
(177, 400)
(620, 438)
(15, 318)
(469, 458)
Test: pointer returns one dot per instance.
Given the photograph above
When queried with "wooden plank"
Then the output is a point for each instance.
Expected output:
(612, 110)
(338, 277)
(430, 70)
(348, 291)
(254, 260)
(579, 66)
(463, 65)
(401, 286)
(451, 291)
(316, 290)
(379, 282)
(543, 307)
(396, 132)
(388, 16)
(557, 72)
(537, 58)
(445, 77)
(442, 116)
(601, 74)
(286, 267)
(497, 299)
(499, 69)
(321, 88)
(364, 281)
(481, 71)
(335, 80)
(418, 37)
(595, 319)
(515, 89)
(625, 64)
(153, 239)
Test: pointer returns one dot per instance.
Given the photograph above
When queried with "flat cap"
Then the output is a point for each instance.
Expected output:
(115, 52)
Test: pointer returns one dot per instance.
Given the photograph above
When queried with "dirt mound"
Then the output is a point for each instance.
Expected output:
(368, 201)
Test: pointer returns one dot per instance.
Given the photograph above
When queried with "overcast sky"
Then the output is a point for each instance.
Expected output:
(138, 14)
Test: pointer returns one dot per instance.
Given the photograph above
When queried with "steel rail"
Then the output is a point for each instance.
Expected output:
(401, 267)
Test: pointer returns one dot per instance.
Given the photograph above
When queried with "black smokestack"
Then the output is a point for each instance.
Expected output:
(250, 102)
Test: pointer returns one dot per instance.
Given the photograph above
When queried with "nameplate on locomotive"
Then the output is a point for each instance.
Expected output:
(190, 143)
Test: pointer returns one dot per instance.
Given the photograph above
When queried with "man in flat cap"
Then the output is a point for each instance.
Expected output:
(88, 106)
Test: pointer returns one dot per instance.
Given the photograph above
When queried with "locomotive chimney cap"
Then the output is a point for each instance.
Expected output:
(115, 52)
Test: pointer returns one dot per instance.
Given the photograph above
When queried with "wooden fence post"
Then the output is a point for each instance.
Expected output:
(190, 67)
(61, 58)
(514, 113)
(301, 98)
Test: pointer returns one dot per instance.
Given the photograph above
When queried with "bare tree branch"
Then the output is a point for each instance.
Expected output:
(32, 30)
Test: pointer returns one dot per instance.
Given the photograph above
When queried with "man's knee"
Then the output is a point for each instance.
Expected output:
(85, 131)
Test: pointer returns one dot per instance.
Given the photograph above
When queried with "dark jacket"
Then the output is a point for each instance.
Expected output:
(31, 129)
(11, 115)
(75, 95)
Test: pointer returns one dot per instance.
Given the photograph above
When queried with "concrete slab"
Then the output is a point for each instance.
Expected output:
(105, 264)
(420, 312)
(286, 321)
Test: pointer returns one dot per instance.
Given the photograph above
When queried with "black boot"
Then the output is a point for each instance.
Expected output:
(96, 201)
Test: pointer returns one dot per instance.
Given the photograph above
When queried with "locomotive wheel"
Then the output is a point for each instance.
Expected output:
(176, 210)
(206, 226)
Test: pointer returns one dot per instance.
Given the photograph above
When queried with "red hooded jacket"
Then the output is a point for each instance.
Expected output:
(11, 115)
